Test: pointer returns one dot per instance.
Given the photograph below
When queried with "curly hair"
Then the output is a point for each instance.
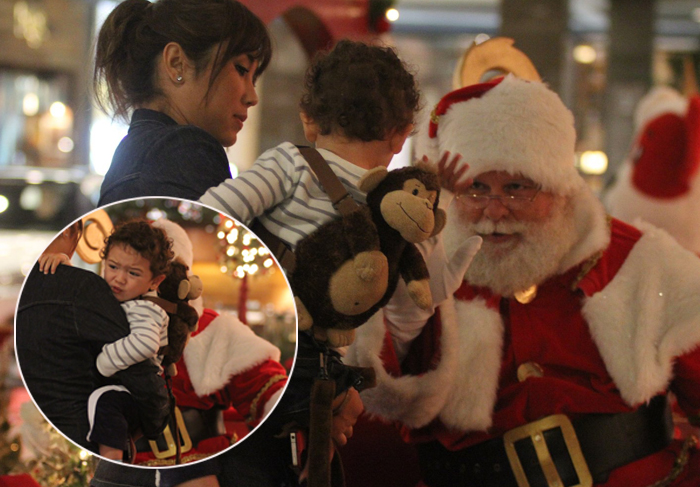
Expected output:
(361, 91)
(151, 243)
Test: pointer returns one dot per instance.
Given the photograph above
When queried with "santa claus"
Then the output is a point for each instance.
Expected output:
(551, 364)
(659, 182)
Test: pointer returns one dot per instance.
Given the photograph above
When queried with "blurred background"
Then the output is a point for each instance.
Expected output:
(601, 56)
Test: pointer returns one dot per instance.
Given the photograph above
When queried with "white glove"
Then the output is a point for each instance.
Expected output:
(405, 320)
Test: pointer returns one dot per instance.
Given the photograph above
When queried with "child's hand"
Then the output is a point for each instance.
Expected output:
(49, 262)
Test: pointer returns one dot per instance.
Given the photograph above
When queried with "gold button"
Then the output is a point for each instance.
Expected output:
(527, 295)
(529, 369)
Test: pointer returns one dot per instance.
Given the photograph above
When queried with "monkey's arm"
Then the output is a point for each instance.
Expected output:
(415, 273)
(363, 240)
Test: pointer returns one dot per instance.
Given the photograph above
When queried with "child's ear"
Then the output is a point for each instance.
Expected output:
(155, 282)
(311, 129)
(398, 138)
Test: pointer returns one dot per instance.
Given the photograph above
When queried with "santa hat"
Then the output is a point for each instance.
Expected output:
(659, 100)
(666, 155)
(182, 245)
(512, 125)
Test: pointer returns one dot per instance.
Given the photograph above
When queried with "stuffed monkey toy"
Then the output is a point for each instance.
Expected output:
(349, 268)
(177, 289)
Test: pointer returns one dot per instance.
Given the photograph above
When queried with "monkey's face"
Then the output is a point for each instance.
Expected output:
(410, 210)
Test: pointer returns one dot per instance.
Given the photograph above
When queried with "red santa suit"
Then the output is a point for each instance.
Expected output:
(618, 325)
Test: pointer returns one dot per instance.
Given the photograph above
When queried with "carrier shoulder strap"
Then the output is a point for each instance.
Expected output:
(339, 196)
(168, 306)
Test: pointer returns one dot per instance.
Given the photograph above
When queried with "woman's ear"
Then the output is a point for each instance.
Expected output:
(174, 62)
(311, 128)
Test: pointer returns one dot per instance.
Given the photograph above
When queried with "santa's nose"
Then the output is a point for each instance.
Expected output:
(495, 209)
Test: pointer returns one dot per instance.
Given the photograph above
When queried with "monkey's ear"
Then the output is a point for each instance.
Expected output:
(372, 178)
(440, 220)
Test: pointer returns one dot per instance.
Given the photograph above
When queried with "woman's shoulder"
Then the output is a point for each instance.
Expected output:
(156, 133)
(185, 140)
(160, 157)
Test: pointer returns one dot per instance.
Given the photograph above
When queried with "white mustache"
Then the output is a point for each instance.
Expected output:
(487, 227)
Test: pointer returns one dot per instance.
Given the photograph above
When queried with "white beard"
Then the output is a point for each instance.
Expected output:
(535, 257)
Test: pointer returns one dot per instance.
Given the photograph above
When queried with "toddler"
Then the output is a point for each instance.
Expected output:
(358, 108)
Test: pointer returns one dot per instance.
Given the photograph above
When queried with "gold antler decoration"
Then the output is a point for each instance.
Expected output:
(496, 54)
(96, 227)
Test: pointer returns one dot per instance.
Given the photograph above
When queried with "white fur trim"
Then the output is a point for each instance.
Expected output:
(592, 229)
(413, 400)
(518, 126)
(678, 216)
(461, 390)
(223, 349)
(473, 394)
(648, 315)
(659, 100)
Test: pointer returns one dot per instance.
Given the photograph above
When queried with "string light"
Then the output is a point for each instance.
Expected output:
(241, 252)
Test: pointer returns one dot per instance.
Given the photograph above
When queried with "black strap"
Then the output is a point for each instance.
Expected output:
(608, 441)
(339, 196)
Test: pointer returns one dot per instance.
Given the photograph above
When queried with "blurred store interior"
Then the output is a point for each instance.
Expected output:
(601, 56)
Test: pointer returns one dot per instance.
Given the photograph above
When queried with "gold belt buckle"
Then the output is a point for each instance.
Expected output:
(534, 431)
(186, 444)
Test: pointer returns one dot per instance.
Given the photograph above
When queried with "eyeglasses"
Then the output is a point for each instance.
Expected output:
(517, 200)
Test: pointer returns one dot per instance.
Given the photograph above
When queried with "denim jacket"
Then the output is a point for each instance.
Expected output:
(158, 157)
(62, 322)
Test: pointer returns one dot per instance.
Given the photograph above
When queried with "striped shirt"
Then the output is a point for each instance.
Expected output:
(282, 191)
(148, 323)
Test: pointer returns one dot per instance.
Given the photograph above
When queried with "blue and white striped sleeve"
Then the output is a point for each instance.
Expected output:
(266, 184)
(148, 324)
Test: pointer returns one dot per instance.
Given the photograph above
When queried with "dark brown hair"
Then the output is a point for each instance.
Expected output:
(136, 32)
(152, 243)
(364, 92)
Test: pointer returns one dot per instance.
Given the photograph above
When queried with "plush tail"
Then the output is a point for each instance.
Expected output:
(322, 396)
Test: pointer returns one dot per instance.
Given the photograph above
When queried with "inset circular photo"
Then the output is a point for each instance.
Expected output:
(155, 332)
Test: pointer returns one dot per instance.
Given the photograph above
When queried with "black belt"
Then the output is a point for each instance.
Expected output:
(552, 451)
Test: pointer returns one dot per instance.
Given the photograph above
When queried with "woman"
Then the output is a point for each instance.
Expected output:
(186, 71)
